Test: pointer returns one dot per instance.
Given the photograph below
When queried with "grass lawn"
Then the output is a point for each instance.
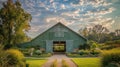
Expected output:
(36, 62)
(87, 62)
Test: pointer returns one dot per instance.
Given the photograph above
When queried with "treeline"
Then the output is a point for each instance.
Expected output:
(100, 34)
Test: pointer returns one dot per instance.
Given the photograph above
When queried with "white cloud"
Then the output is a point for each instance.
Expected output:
(62, 6)
(72, 14)
(77, 11)
(59, 19)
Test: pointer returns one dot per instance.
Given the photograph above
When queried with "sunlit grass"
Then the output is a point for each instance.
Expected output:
(87, 62)
(35, 62)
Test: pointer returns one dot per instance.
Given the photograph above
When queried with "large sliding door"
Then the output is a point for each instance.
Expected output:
(49, 44)
(69, 45)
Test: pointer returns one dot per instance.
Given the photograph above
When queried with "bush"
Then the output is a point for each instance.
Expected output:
(15, 58)
(46, 54)
(26, 51)
(38, 52)
(83, 52)
(3, 57)
(95, 52)
(111, 58)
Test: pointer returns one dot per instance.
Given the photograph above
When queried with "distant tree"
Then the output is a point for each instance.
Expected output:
(117, 32)
(97, 33)
(84, 32)
(15, 21)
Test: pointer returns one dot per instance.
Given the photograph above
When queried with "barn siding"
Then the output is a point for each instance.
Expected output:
(45, 40)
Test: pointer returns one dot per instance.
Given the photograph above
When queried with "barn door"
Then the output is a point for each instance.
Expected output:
(69, 46)
(49, 46)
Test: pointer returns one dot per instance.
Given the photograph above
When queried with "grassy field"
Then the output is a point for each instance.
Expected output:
(36, 62)
(87, 62)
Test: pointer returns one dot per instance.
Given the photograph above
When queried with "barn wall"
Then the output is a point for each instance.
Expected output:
(45, 40)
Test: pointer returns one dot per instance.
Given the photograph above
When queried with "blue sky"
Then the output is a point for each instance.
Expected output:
(75, 14)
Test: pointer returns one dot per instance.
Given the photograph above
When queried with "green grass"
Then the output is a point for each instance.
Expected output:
(87, 62)
(36, 62)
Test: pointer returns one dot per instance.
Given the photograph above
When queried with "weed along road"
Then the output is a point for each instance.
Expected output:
(59, 60)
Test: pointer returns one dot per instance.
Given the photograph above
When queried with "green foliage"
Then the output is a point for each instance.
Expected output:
(93, 45)
(59, 48)
(64, 63)
(54, 64)
(73, 55)
(15, 58)
(83, 52)
(38, 52)
(111, 58)
(95, 52)
(111, 44)
(35, 53)
(14, 22)
(3, 57)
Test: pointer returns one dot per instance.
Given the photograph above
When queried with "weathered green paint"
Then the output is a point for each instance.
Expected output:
(58, 32)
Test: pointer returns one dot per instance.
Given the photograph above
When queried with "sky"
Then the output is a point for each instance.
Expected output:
(75, 14)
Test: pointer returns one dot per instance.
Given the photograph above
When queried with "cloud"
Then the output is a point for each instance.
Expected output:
(59, 19)
(73, 13)
(62, 6)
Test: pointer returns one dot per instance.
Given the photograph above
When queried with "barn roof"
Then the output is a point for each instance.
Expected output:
(59, 23)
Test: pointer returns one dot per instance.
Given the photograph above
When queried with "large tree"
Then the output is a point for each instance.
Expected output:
(15, 21)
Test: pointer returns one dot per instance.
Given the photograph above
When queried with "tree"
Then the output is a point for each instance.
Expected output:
(97, 33)
(15, 21)
(84, 32)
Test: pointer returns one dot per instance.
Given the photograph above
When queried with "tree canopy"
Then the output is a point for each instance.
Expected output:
(14, 22)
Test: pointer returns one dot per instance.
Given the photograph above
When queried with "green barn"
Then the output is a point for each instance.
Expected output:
(58, 38)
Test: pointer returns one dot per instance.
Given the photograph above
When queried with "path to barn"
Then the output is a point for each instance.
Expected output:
(59, 58)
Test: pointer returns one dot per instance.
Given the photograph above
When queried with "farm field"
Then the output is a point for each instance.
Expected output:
(87, 62)
(35, 62)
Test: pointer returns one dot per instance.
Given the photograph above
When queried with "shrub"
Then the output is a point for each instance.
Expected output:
(38, 52)
(3, 57)
(95, 52)
(15, 58)
(83, 52)
(111, 58)
(46, 54)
